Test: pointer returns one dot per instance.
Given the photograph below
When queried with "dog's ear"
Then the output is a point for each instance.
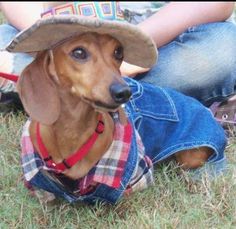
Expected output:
(38, 92)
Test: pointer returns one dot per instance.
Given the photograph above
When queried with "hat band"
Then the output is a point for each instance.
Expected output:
(102, 10)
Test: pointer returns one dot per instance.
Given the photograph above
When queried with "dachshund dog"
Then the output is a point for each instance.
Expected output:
(68, 88)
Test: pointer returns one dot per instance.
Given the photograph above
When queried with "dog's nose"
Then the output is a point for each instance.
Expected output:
(120, 92)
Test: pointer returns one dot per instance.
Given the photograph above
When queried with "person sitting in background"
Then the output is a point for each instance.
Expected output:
(195, 40)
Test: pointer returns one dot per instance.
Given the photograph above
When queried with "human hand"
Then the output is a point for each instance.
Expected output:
(131, 70)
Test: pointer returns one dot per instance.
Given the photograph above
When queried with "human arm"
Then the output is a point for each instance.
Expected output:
(21, 14)
(173, 19)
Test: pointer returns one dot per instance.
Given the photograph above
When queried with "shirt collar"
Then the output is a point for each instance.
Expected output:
(109, 169)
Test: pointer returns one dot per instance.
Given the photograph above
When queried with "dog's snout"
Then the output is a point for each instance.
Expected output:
(120, 92)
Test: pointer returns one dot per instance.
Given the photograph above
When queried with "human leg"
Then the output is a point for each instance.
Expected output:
(10, 63)
(200, 63)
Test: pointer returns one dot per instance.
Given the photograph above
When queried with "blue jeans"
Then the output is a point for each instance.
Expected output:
(200, 63)
(21, 60)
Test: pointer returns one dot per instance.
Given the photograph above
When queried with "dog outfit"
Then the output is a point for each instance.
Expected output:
(108, 171)
(163, 122)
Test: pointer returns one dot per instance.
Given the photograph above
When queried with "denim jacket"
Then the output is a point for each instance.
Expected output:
(167, 122)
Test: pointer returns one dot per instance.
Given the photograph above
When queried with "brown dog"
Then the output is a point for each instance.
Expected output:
(67, 87)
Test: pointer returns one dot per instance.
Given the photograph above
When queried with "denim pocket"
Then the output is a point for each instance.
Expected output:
(152, 101)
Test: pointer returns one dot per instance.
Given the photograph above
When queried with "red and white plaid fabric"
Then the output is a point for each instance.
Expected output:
(109, 169)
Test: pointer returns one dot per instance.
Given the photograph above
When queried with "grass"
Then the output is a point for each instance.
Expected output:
(174, 202)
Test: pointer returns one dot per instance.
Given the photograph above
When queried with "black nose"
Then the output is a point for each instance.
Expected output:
(120, 92)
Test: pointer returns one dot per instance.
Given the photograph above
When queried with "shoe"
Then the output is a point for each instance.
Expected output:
(10, 102)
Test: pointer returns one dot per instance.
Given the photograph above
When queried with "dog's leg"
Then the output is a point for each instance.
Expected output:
(193, 158)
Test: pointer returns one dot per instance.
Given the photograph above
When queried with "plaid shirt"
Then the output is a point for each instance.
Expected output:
(108, 170)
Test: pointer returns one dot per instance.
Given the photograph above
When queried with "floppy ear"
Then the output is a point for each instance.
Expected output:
(38, 92)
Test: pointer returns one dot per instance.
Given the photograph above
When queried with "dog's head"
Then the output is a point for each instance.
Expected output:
(75, 55)
(87, 66)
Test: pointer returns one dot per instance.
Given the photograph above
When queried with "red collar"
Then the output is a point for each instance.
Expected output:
(75, 157)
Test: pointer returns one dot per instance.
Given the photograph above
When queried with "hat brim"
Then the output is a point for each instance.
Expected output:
(139, 48)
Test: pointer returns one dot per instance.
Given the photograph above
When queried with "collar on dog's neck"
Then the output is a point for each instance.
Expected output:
(75, 157)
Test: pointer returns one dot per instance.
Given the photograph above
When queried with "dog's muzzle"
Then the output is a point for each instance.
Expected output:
(120, 92)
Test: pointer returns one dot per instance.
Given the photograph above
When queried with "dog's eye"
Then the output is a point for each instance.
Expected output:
(80, 53)
(118, 53)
